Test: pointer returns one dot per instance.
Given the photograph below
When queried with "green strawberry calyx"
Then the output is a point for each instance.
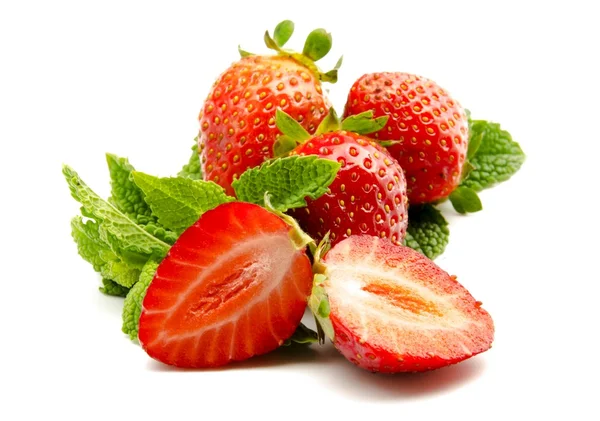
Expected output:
(316, 46)
(318, 302)
(293, 134)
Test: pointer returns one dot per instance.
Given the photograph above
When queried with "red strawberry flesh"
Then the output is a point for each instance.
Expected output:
(394, 310)
(232, 286)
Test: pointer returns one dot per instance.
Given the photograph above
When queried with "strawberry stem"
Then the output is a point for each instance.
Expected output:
(299, 238)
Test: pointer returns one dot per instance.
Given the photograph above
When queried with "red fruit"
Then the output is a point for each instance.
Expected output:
(393, 310)
(237, 121)
(368, 196)
(232, 286)
(430, 126)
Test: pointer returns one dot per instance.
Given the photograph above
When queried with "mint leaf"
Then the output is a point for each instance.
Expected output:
(178, 202)
(465, 200)
(192, 168)
(112, 288)
(114, 228)
(151, 226)
(427, 231)
(129, 199)
(132, 307)
(496, 159)
(101, 256)
(125, 195)
(287, 180)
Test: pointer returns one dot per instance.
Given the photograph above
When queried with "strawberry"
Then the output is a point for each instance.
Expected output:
(232, 286)
(393, 310)
(368, 195)
(237, 120)
(429, 127)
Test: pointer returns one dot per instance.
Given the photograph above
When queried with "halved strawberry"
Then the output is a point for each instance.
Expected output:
(393, 310)
(234, 285)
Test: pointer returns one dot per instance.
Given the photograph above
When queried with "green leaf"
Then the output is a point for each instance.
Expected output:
(287, 180)
(317, 45)
(330, 123)
(101, 256)
(132, 307)
(364, 123)
(290, 127)
(270, 42)
(129, 198)
(283, 32)
(475, 140)
(243, 53)
(125, 195)
(151, 226)
(179, 202)
(283, 146)
(318, 303)
(465, 200)
(192, 169)
(302, 335)
(427, 231)
(115, 228)
(497, 158)
(112, 288)
(331, 76)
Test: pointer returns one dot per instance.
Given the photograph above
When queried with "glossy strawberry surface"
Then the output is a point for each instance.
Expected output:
(237, 121)
(431, 129)
(368, 195)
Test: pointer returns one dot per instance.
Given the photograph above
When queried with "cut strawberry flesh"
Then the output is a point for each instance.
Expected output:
(232, 286)
(394, 310)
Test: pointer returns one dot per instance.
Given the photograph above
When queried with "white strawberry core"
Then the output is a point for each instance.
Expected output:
(384, 307)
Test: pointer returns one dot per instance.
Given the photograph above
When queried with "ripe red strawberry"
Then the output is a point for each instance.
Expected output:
(232, 286)
(237, 121)
(368, 195)
(430, 126)
(393, 310)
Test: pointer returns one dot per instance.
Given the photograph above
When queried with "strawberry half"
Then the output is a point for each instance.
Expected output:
(232, 286)
(393, 310)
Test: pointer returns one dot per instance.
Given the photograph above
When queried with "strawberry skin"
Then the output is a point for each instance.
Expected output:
(393, 310)
(368, 195)
(430, 126)
(232, 286)
(237, 121)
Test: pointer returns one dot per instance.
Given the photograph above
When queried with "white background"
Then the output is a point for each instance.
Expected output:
(78, 79)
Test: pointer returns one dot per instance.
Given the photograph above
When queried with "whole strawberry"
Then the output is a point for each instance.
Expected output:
(428, 127)
(237, 121)
(368, 195)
